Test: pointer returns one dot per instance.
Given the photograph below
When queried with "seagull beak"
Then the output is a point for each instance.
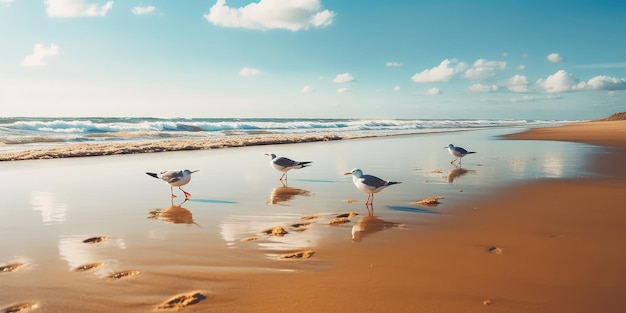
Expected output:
(195, 171)
(347, 173)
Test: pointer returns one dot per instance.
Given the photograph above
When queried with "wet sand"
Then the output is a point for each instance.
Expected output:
(545, 246)
(550, 245)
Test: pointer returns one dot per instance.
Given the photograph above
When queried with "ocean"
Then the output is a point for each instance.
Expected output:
(28, 133)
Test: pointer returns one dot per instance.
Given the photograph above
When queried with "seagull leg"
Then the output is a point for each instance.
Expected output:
(172, 191)
(187, 195)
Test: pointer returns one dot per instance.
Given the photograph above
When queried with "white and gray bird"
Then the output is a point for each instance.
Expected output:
(369, 184)
(457, 152)
(175, 179)
(284, 165)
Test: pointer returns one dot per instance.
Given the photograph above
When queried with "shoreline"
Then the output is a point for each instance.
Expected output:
(73, 150)
(167, 145)
(229, 140)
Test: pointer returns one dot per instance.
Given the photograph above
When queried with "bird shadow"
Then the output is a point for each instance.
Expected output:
(314, 180)
(216, 201)
(411, 209)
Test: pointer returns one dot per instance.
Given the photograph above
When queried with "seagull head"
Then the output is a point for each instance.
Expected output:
(450, 146)
(356, 172)
(273, 156)
(190, 172)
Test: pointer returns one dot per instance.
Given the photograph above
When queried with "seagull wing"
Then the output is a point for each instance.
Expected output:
(373, 181)
(460, 150)
(285, 162)
(172, 176)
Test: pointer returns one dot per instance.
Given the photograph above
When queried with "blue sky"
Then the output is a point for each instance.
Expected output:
(313, 58)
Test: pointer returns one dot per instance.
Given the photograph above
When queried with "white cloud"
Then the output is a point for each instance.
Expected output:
(7, 1)
(40, 53)
(393, 64)
(562, 81)
(75, 8)
(396, 88)
(483, 70)
(434, 91)
(343, 90)
(248, 72)
(307, 89)
(518, 83)
(605, 83)
(559, 82)
(441, 73)
(521, 67)
(271, 14)
(555, 58)
(483, 88)
(139, 10)
(343, 78)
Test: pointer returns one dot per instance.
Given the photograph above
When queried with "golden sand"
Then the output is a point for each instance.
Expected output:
(544, 246)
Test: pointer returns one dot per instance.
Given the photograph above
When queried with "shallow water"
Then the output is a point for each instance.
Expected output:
(51, 206)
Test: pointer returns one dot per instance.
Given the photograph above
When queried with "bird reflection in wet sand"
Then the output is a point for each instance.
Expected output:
(174, 214)
(285, 193)
(456, 173)
(369, 224)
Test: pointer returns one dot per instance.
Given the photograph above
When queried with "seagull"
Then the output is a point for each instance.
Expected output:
(369, 184)
(457, 152)
(283, 164)
(175, 179)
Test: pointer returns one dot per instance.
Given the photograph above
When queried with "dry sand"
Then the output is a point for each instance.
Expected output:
(546, 246)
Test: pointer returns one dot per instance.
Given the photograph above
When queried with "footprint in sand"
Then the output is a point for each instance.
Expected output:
(429, 202)
(124, 274)
(300, 227)
(181, 301)
(347, 215)
(88, 267)
(494, 250)
(310, 217)
(11, 267)
(275, 231)
(338, 220)
(21, 307)
(97, 239)
(342, 218)
(304, 254)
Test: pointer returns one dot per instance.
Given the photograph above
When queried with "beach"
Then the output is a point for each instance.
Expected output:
(533, 222)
